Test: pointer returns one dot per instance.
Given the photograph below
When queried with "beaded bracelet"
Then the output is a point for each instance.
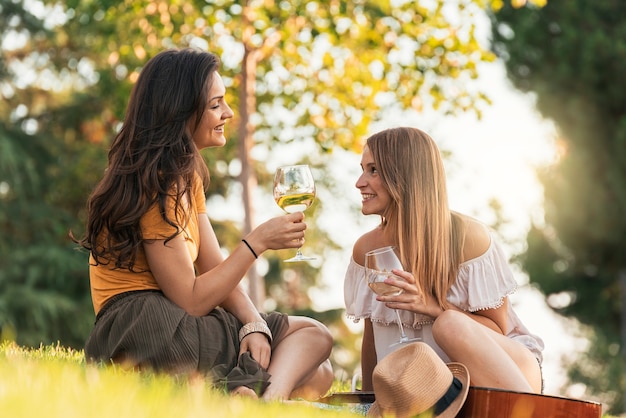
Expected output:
(256, 326)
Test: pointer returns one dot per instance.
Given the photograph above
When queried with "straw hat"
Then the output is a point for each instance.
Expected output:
(413, 380)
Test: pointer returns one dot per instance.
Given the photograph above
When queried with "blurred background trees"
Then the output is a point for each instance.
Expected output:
(572, 55)
(44, 178)
(298, 72)
(312, 77)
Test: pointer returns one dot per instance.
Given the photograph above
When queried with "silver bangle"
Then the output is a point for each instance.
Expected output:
(256, 326)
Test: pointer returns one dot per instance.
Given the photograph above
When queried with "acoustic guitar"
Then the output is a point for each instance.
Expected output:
(496, 403)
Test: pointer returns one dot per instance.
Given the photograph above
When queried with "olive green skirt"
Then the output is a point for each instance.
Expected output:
(146, 331)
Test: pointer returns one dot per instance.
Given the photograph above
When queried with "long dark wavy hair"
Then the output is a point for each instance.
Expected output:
(153, 157)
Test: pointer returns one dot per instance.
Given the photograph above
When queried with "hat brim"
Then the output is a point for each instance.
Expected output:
(460, 372)
(374, 410)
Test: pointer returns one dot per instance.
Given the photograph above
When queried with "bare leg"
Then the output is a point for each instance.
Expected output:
(493, 360)
(299, 365)
(317, 384)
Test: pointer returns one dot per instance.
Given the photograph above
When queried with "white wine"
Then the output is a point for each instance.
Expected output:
(378, 266)
(297, 202)
(384, 289)
(294, 191)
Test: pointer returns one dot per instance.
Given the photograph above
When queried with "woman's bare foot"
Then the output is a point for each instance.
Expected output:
(244, 391)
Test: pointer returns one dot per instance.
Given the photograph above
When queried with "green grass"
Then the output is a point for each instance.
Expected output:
(53, 381)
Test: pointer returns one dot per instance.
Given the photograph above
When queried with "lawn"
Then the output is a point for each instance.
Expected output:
(54, 382)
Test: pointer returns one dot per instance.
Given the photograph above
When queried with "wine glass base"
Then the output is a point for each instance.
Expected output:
(299, 258)
(405, 341)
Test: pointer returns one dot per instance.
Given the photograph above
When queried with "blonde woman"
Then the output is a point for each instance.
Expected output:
(456, 281)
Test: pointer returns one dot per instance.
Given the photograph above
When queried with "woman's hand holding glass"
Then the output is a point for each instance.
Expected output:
(381, 268)
(294, 191)
(281, 232)
(411, 298)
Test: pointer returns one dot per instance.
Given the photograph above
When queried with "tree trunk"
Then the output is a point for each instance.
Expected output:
(247, 105)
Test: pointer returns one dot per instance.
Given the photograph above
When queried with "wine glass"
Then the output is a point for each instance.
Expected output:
(378, 266)
(294, 191)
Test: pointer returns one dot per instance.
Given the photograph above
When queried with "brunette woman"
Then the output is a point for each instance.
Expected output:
(165, 297)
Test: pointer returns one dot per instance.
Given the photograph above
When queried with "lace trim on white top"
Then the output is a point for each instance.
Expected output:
(482, 283)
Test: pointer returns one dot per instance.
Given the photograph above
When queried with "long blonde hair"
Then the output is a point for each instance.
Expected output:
(429, 236)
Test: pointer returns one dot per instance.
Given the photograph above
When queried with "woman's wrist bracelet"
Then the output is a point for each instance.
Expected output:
(252, 327)
(250, 247)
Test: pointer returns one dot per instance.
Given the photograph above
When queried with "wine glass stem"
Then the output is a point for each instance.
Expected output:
(403, 336)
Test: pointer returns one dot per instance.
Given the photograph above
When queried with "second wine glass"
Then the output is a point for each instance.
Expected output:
(378, 266)
(294, 191)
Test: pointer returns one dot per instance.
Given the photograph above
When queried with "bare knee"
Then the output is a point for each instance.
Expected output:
(449, 327)
(324, 336)
(315, 330)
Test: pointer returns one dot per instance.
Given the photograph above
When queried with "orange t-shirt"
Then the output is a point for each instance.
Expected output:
(107, 282)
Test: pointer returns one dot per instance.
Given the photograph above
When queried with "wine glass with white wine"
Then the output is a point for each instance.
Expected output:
(294, 191)
(378, 266)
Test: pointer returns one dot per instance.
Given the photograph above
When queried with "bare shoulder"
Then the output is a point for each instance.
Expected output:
(369, 241)
(477, 238)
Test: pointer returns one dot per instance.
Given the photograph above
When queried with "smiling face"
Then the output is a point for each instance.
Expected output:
(210, 130)
(375, 196)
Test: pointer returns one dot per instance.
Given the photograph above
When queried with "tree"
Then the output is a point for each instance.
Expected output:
(332, 67)
(42, 288)
(572, 56)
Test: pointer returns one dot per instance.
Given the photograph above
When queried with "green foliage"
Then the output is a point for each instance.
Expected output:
(571, 54)
(42, 279)
(324, 65)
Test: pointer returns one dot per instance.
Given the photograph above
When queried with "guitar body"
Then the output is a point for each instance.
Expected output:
(496, 403)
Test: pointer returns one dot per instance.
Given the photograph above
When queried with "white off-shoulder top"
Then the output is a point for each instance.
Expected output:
(482, 283)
